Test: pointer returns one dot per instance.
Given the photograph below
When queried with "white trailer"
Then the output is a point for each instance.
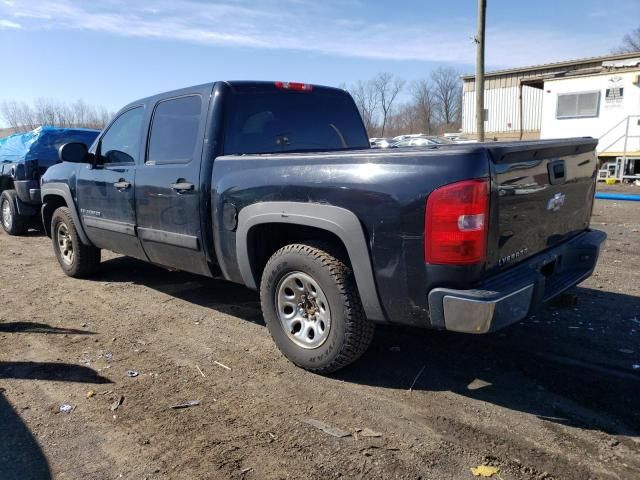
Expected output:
(604, 105)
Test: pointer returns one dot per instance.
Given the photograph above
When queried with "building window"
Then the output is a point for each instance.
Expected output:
(578, 105)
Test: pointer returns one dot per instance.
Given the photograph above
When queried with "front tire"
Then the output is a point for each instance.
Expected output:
(312, 308)
(76, 259)
(12, 222)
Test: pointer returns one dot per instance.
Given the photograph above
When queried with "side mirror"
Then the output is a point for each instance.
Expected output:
(75, 152)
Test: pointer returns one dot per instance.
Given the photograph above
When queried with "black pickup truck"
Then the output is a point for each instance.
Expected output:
(274, 186)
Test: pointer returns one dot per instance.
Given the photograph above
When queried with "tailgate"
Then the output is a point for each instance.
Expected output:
(543, 194)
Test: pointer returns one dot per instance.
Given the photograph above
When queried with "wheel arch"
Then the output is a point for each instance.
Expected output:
(329, 222)
(54, 196)
(49, 205)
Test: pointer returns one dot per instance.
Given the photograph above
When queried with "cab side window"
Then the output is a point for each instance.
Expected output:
(174, 130)
(121, 143)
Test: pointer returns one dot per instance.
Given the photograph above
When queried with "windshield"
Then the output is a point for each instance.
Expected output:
(287, 121)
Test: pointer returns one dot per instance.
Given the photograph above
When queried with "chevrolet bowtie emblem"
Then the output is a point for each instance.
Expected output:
(556, 202)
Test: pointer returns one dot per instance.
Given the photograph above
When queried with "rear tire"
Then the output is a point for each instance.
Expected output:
(312, 308)
(12, 222)
(76, 259)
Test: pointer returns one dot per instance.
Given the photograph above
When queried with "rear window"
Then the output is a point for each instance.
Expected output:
(292, 122)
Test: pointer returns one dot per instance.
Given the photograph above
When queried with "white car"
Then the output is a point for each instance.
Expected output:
(402, 138)
(422, 141)
(379, 143)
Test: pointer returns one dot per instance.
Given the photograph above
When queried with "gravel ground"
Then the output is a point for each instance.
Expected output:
(555, 396)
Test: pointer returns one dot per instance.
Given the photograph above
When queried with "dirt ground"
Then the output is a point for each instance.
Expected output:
(554, 397)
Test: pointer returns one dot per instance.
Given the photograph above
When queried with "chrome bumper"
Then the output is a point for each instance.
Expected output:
(477, 316)
(512, 295)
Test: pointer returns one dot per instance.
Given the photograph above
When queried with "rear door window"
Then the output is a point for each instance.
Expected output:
(286, 121)
(174, 130)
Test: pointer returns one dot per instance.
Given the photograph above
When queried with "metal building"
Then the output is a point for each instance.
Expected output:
(597, 97)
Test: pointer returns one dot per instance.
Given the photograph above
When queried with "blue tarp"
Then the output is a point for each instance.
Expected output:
(618, 196)
(42, 144)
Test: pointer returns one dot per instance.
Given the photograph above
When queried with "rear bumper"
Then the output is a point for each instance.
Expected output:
(513, 295)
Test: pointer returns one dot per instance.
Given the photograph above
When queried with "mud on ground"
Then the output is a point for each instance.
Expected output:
(556, 396)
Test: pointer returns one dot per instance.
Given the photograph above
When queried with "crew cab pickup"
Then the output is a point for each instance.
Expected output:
(273, 185)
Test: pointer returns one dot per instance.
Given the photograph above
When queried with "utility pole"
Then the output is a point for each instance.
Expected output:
(482, 13)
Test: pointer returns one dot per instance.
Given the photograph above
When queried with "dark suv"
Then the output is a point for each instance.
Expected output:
(24, 157)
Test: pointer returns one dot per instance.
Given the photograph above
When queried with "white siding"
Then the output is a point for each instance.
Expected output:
(504, 110)
(609, 126)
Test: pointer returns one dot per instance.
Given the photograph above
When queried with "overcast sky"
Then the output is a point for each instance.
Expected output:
(112, 51)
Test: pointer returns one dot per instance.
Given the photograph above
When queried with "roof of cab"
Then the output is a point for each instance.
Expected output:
(236, 86)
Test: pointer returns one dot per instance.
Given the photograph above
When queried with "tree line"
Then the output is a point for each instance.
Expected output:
(388, 104)
(430, 105)
(22, 117)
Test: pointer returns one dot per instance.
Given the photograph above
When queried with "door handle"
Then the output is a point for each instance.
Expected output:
(122, 185)
(181, 187)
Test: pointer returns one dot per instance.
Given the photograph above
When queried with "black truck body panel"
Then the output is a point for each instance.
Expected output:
(531, 180)
(183, 213)
(386, 191)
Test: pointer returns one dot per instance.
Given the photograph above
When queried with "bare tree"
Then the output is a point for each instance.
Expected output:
(27, 118)
(387, 88)
(434, 106)
(447, 89)
(102, 118)
(18, 115)
(21, 117)
(11, 113)
(424, 104)
(65, 115)
(45, 111)
(630, 42)
(404, 119)
(366, 98)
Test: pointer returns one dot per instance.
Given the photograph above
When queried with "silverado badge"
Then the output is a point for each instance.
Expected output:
(513, 256)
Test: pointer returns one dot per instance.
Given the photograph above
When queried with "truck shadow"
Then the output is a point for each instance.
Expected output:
(219, 295)
(33, 232)
(21, 458)
(34, 327)
(574, 367)
(569, 366)
(58, 372)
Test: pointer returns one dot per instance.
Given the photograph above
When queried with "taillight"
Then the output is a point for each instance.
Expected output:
(301, 87)
(455, 227)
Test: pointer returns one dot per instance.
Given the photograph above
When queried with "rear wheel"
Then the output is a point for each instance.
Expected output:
(12, 222)
(76, 259)
(312, 308)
